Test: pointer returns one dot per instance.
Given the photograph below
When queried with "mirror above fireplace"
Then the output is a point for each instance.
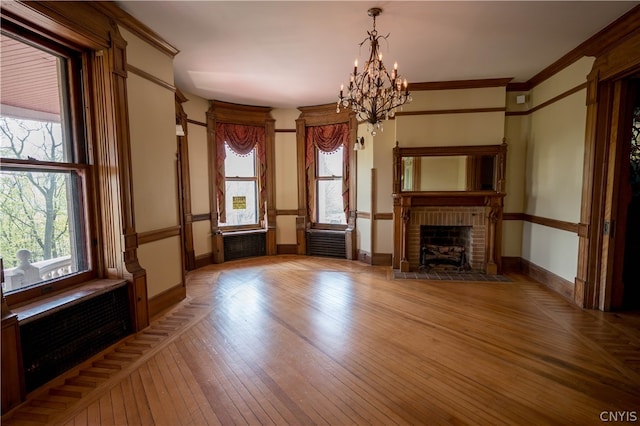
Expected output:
(449, 168)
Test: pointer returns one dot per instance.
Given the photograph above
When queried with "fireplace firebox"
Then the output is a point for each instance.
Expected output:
(445, 247)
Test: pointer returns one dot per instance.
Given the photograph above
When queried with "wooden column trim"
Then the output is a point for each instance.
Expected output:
(184, 188)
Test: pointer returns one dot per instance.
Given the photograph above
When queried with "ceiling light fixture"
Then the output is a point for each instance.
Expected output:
(373, 94)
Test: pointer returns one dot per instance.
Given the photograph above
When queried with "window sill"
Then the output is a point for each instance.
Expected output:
(242, 231)
(56, 302)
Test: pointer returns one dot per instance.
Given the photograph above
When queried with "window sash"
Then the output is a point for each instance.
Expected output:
(72, 119)
(318, 224)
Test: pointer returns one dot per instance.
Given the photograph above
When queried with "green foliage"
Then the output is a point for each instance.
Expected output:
(33, 204)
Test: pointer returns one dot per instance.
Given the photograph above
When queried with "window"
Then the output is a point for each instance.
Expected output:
(241, 188)
(326, 162)
(329, 206)
(44, 172)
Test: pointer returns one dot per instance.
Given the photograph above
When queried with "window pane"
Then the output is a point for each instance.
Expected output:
(41, 234)
(241, 203)
(32, 111)
(239, 165)
(330, 208)
(330, 164)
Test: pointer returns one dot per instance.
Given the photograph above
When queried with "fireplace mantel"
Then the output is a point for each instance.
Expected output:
(479, 208)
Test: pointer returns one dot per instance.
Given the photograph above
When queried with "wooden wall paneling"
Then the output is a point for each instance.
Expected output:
(302, 219)
(184, 186)
(13, 386)
(271, 186)
(132, 269)
(620, 59)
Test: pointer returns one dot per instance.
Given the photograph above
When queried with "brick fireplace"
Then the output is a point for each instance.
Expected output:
(461, 216)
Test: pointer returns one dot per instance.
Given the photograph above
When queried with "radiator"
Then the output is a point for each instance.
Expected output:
(61, 340)
(238, 246)
(326, 243)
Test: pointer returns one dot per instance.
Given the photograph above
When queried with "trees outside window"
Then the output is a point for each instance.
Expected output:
(43, 171)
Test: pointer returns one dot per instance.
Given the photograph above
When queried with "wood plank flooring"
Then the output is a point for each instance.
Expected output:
(301, 340)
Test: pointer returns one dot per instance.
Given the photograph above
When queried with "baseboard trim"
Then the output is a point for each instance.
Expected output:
(548, 279)
(166, 299)
(511, 264)
(204, 260)
(287, 249)
(364, 256)
(381, 259)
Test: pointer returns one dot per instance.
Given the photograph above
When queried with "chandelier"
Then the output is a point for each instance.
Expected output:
(374, 94)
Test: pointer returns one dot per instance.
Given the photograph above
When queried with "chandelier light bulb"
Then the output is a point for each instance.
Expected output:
(374, 94)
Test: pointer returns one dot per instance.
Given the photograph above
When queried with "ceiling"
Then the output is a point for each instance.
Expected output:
(297, 53)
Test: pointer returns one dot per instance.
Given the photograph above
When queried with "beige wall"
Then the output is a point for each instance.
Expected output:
(153, 156)
(286, 173)
(196, 110)
(553, 165)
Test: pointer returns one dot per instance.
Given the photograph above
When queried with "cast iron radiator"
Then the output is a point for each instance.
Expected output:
(326, 243)
(238, 246)
(58, 341)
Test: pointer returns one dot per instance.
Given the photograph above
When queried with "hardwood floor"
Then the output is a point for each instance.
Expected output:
(301, 340)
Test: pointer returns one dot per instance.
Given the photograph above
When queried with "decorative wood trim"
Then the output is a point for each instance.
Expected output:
(519, 87)
(548, 279)
(381, 259)
(150, 77)
(200, 217)
(449, 150)
(512, 264)
(513, 216)
(197, 123)
(204, 260)
(287, 249)
(78, 27)
(545, 221)
(285, 130)
(287, 212)
(516, 113)
(136, 27)
(363, 215)
(166, 299)
(559, 97)
(158, 234)
(460, 84)
(383, 216)
(548, 102)
(451, 111)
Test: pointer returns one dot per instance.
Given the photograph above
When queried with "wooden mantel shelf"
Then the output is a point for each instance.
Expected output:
(448, 198)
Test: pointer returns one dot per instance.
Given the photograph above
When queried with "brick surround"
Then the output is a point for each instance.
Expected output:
(449, 216)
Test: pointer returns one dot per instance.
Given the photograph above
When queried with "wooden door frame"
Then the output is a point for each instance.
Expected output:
(594, 281)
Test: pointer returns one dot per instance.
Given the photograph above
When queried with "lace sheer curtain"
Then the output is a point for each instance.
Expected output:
(242, 139)
(328, 139)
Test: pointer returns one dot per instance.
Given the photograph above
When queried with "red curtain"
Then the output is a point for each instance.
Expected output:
(241, 139)
(326, 138)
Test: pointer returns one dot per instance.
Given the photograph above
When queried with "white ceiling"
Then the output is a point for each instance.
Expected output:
(297, 53)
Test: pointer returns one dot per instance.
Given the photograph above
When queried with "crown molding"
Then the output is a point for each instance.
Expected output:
(135, 26)
(460, 84)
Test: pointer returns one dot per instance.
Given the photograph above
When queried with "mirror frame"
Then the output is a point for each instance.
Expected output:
(498, 151)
